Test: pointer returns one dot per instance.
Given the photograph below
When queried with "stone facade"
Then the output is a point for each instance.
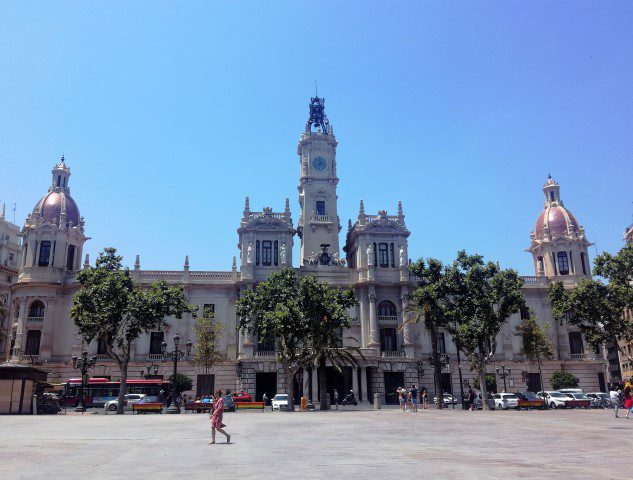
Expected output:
(375, 263)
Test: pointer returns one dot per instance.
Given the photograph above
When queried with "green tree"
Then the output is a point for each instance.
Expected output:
(183, 383)
(598, 308)
(482, 297)
(273, 310)
(109, 307)
(562, 379)
(208, 333)
(491, 383)
(326, 310)
(430, 304)
(535, 344)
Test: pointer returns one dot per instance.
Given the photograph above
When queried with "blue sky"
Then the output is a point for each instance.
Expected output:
(169, 113)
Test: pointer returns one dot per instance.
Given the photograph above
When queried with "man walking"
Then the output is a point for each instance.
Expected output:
(414, 398)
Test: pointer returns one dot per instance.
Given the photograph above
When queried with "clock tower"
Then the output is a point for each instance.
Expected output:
(319, 223)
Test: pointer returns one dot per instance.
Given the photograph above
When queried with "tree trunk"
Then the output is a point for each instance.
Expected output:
(122, 386)
(437, 370)
(540, 376)
(481, 370)
(324, 397)
(290, 386)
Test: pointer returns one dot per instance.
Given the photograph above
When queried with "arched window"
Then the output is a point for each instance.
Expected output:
(386, 309)
(36, 309)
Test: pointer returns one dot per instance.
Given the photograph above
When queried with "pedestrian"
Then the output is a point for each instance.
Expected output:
(402, 398)
(336, 398)
(472, 397)
(425, 398)
(617, 399)
(628, 397)
(265, 400)
(216, 418)
(414, 397)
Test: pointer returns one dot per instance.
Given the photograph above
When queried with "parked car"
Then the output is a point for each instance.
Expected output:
(242, 397)
(599, 400)
(280, 402)
(447, 399)
(504, 401)
(128, 400)
(229, 404)
(577, 400)
(529, 400)
(479, 404)
(554, 398)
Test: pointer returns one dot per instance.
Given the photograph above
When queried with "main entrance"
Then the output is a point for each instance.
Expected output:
(265, 382)
(341, 381)
(393, 380)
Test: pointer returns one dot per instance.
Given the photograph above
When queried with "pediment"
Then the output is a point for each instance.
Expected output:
(384, 225)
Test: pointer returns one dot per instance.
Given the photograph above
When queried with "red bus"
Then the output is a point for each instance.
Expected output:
(100, 390)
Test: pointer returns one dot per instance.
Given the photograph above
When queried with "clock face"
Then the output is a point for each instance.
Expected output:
(319, 164)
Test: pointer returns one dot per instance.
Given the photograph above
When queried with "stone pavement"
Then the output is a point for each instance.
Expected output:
(361, 444)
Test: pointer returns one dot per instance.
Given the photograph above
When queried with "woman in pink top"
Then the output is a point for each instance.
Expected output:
(216, 418)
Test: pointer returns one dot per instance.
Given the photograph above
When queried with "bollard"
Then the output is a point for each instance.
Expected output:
(377, 401)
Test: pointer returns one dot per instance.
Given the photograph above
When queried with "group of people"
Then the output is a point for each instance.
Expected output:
(622, 398)
(408, 398)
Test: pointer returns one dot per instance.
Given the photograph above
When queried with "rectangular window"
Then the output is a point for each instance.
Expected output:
(208, 310)
(33, 342)
(575, 343)
(441, 343)
(571, 262)
(375, 255)
(276, 253)
(70, 259)
(257, 252)
(155, 339)
(320, 207)
(563, 264)
(265, 343)
(582, 262)
(554, 263)
(525, 313)
(45, 253)
(101, 347)
(267, 253)
(383, 255)
(388, 340)
(391, 255)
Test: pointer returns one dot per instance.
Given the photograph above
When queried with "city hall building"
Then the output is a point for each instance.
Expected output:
(38, 263)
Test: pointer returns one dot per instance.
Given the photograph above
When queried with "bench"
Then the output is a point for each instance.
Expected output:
(198, 407)
(249, 406)
(147, 407)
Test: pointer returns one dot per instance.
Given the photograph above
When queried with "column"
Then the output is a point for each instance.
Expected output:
(374, 337)
(363, 319)
(363, 385)
(355, 382)
(406, 330)
(305, 383)
(315, 386)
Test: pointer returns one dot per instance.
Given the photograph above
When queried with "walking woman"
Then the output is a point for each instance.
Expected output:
(216, 418)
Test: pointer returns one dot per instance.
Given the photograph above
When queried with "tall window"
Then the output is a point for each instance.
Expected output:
(582, 262)
(257, 252)
(541, 266)
(208, 310)
(388, 340)
(525, 313)
(101, 347)
(70, 259)
(441, 343)
(59, 180)
(265, 343)
(276, 253)
(155, 339)
(320, 207)
(45, 253)
(392, 255)
(36, 309)
(563, 263)
(375, 254)
(386, 309)
(551, 196)
(33, 342)
(383, 255)
(267, 252)
(575, 343)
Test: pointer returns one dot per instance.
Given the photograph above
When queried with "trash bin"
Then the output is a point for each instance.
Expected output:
(377, 401)
(304, 404)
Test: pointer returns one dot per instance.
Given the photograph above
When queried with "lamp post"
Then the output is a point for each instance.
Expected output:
(176, 355)
(83, 364)
(503, 373)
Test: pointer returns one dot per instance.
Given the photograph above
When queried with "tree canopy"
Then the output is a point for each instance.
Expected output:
(208, 334)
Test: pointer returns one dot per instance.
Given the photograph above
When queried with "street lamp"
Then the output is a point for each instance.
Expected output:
(503, 373)
(83, 364)
(176, 355)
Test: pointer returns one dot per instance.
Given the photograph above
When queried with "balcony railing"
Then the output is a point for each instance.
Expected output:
(387, 320)
(103, 358)
(29, 358)
(34, 319)
(578, 356)
(155, 357)
(368, 352)
(392, 354)
(322, 218)
(265, 353)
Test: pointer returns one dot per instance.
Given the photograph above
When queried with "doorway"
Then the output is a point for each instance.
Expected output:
(393, 380)
(533, 382)
(265, 382)
(205, 385)
(341, 381)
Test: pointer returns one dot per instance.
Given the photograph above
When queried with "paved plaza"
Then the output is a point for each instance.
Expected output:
(320, 445)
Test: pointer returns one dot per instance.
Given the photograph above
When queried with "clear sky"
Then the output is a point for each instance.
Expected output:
(169, 113)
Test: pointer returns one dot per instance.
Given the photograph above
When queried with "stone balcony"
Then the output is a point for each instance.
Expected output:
(35, 320)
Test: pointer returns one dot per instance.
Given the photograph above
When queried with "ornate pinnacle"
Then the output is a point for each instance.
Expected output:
(361, 210)
(137, 263)
(400, 214)
(287, 211)
(186, 262)
(247, 206)
(87, 261)
(234, 267)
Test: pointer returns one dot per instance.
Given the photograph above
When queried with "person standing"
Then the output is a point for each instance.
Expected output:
(472, 397)
(628, 397)
(336, 398)
(265, 400)
(216, 418)
(617, 399)
(425, 398)
(402, 398)
(414, 398)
